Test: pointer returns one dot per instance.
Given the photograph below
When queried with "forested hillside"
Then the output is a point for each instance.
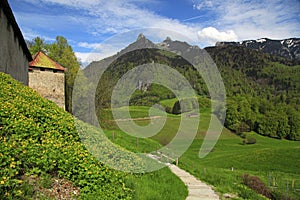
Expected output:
(263, 90)
(152, 93)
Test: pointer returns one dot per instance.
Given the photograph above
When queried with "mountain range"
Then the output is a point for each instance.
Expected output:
(246, 62)
(287, 48)
(248, 58)
(262, 89)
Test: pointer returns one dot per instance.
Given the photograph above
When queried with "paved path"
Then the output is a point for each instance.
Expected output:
(197, 189)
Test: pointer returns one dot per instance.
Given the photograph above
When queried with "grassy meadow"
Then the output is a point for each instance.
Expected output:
(275, 162)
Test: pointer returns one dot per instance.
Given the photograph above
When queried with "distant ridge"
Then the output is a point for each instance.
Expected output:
(287, 48)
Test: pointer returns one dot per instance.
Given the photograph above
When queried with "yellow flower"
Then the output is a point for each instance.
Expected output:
(2, 182)
(13, 165)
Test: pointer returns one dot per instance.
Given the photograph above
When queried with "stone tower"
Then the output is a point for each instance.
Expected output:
(47, 77)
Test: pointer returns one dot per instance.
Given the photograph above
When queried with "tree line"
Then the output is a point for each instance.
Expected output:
(276, 120)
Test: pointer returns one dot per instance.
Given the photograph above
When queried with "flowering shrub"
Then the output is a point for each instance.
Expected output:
(38, 137)
(257, 185)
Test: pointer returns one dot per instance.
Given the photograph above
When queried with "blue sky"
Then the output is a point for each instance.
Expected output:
(99, 28)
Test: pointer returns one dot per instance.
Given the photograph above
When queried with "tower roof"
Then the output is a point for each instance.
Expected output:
(43, 61)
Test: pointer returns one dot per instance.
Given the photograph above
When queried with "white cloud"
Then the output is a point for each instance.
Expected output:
(228, 20)
(87, 58)
(206, 4)
(30, 34)
(213, 35)
(254, 19)
(114, 17)
(98, 51)
(70, 3)
(89, 45)
(119, 18)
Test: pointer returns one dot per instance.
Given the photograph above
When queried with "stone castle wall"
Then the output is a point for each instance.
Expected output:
(49, 83)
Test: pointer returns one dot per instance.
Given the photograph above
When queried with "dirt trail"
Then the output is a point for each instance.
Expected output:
(137, 119)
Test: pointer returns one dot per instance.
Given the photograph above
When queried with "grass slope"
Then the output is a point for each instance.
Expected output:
(38, 139)
(40, 144)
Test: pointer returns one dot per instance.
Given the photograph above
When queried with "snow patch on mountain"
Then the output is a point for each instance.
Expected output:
(261, 40)
(287, 48)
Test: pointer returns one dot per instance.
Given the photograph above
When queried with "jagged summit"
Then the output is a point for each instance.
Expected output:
(141, 36)
(168, 39)
(140, 43)
(179, 47)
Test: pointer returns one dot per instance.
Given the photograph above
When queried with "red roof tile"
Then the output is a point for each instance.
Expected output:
(43, 61)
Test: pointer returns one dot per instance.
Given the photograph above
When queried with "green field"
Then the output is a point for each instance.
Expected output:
(41, 146)
(40, 142)
(275, 162)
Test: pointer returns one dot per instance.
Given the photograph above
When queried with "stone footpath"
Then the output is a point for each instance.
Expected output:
(197, 189)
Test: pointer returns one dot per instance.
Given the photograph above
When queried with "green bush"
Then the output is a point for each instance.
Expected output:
(184, 105)
(251, 141)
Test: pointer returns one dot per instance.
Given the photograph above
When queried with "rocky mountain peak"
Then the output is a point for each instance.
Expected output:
(140, 43)
(168, 39)
(141, 36)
